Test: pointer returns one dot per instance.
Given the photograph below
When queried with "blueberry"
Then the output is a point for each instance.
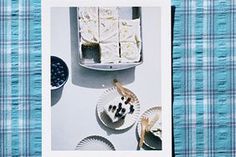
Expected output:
(113, 108)
(123, 110)
(131, 110)
(118, 115)
(122, 98)
(110, 106)
(119, 108)
(120, 105)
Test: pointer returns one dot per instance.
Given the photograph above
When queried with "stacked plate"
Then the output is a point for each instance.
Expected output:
(96, 143)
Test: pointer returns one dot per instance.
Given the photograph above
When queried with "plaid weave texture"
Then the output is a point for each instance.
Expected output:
(20, 78)
(204, 78)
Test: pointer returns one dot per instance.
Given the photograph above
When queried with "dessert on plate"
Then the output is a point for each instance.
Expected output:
(118, 108)
(156, 129)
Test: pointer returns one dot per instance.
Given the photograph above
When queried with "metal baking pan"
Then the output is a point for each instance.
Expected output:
(92, 61)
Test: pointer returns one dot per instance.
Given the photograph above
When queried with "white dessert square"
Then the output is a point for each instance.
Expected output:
(89, 31)
(109, 52)
(88, 13)
(129, 30)
(117, 109)
(108, 13)
(108, 31)
(130, 51)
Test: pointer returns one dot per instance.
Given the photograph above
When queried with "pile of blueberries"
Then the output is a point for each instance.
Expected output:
(121, 111)
(59, 72)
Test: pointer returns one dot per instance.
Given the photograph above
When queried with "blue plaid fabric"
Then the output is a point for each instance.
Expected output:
(20, 78)
(204, 78)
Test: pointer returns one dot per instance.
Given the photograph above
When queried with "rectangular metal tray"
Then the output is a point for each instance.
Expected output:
(92, 61)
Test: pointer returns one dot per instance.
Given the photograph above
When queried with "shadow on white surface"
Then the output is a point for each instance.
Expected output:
(92, 78)
(56, 95)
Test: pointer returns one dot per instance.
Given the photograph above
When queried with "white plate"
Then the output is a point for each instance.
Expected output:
(129, 120)
(95, 143)
(150, 140)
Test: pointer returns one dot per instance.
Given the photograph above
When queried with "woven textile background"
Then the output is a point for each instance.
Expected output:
(20, 78)
(204, 78)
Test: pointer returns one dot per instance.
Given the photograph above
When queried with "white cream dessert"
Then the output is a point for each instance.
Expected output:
(157, 128)
(117, 40)
(88, 13)
(129, 30)
(108, 31)
(109, 52)
(89, 31)
(118, 108)
(108, 13)
(130, 52)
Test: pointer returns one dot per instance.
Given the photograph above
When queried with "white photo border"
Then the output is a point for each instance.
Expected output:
(165, 77)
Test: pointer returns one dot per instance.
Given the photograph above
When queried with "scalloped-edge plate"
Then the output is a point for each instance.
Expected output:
(96, 143)
(151, 140)
(130, 119)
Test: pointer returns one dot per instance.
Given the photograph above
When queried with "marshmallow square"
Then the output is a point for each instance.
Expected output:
(109, 52)
(130, 52)
(89, 31)
(129, 30)
(109, 31)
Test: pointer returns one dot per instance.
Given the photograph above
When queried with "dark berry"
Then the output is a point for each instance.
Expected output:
(122, 98)
(113, 108)
(119, 108)
(118, 114)
(131, 111)
(110, 106)
(123, 110)
(120, 105)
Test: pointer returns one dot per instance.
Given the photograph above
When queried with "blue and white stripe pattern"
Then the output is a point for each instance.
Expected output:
(20, 78)
(204, 78)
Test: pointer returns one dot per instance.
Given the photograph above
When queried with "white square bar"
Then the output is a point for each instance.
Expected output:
(108, 13)
(130, 52)
(89, 31)
(109, 52)
(129, 30)
(88, 13)
(109, 31)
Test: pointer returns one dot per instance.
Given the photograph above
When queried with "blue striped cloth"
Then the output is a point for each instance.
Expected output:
(204, 78)
(20, 78)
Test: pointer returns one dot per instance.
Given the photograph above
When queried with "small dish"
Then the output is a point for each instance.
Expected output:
(59, 73)
(152, 140)
(96, 143)
(109, 95)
